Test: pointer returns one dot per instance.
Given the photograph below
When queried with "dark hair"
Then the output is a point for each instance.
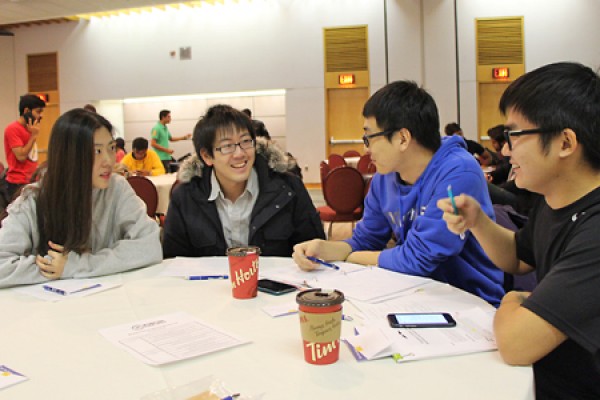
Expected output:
(30, 101)
(220, 119)
(139, 143)
(247, 112)
(163, 113)
(497, 133)
(452, 128)
(64, 202)
(559, 96)
(403, 104)
(89, 107)
(120, 143)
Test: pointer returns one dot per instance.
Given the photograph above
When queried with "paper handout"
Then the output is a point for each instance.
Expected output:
(169, 338)
(9, 377)
(473, 333)
(63, 289)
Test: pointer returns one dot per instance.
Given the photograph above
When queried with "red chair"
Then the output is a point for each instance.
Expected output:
(146, 191)
(324, 168)
(365, 166)
(351, 153)
(335, 160)
(343, 190)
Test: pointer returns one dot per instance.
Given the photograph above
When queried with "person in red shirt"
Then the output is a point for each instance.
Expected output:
(20, 143)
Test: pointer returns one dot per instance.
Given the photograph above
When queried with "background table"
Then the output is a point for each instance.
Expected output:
(163, 185)
(57, 345)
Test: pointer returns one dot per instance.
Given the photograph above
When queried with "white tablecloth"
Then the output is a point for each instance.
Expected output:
(163, 185)
(57, 345)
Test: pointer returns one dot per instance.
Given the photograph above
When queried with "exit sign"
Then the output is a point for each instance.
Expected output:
(346, 79)
(500, 73)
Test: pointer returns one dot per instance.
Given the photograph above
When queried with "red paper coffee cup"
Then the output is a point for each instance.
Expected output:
(243, 271)
(321, 324)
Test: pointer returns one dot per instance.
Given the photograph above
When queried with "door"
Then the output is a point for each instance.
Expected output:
(345, 120)
(489, 115)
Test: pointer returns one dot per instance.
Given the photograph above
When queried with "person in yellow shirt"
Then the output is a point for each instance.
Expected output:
(142, 161)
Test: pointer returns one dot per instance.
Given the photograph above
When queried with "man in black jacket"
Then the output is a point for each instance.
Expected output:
(236, 192)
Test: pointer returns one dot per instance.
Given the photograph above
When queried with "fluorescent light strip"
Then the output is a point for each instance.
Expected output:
(158, 99)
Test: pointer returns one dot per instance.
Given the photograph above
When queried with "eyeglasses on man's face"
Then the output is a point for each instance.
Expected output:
(508, 134)
(366, 137)
(245, 144)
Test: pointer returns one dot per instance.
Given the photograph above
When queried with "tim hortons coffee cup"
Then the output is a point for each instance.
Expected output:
(321, 324)
(243, 271)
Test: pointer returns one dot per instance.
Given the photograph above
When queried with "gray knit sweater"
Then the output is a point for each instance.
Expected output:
(123, 237)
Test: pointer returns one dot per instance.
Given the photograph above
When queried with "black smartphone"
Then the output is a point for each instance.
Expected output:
(421, 320)
(29, 118)
(274, 287)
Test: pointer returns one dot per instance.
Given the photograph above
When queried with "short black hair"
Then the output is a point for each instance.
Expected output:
(139, 143)
(30, 101)
(452, 128)
(247, 112)
(163, 113)
(497, 133)
(403, 104)
(220, 118)
(556, 97)
(120, 143)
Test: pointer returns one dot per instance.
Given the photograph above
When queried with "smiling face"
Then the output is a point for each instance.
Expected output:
(534, 169)
(104, 158)
(232, 170)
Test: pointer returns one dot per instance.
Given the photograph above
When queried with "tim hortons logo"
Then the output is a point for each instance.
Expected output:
(242, 276)
(320, 350)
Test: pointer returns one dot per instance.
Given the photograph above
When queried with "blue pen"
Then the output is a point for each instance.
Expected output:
(207, 277)
(233, 396)
(451, 195)
(64, 293)
(323, 262)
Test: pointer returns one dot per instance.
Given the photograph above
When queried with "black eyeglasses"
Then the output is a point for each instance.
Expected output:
(230, 148)
(508, 133)
(366, 137)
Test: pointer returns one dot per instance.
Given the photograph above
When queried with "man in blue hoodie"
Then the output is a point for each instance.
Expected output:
(415, 167)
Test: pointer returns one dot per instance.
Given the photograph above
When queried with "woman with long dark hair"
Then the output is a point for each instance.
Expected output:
(80, 220)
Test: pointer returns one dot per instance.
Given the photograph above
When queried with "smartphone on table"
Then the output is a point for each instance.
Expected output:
(421, 320)
(274, 287)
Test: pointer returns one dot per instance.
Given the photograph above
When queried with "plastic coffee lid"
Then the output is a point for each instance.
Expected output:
(242, 251)
(320, 298)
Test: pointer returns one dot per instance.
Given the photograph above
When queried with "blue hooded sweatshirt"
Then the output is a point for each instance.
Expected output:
(424, 245)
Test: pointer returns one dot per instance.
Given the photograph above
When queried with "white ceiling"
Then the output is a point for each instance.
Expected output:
(20, 11)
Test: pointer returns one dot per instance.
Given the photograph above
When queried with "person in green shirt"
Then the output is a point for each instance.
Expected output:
(161, 138)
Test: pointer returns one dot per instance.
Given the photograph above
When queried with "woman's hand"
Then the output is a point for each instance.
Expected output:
(53, 264)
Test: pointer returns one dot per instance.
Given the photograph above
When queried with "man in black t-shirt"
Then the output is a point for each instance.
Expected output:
(553, 139)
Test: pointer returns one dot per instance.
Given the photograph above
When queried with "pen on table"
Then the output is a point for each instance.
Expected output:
(231, 397)
(64, 293)
(206, 277)
(323, 262)
(451, 195)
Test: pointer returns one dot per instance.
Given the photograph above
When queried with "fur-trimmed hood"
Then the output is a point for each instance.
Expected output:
(276, 158)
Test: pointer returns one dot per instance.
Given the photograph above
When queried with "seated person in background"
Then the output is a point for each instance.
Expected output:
(553, 114)
(237, 191)
(121, 152)
(500, 173)
(143, 161)
(414, 169)
(260, 131)
(79, 220)
(479, 152)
